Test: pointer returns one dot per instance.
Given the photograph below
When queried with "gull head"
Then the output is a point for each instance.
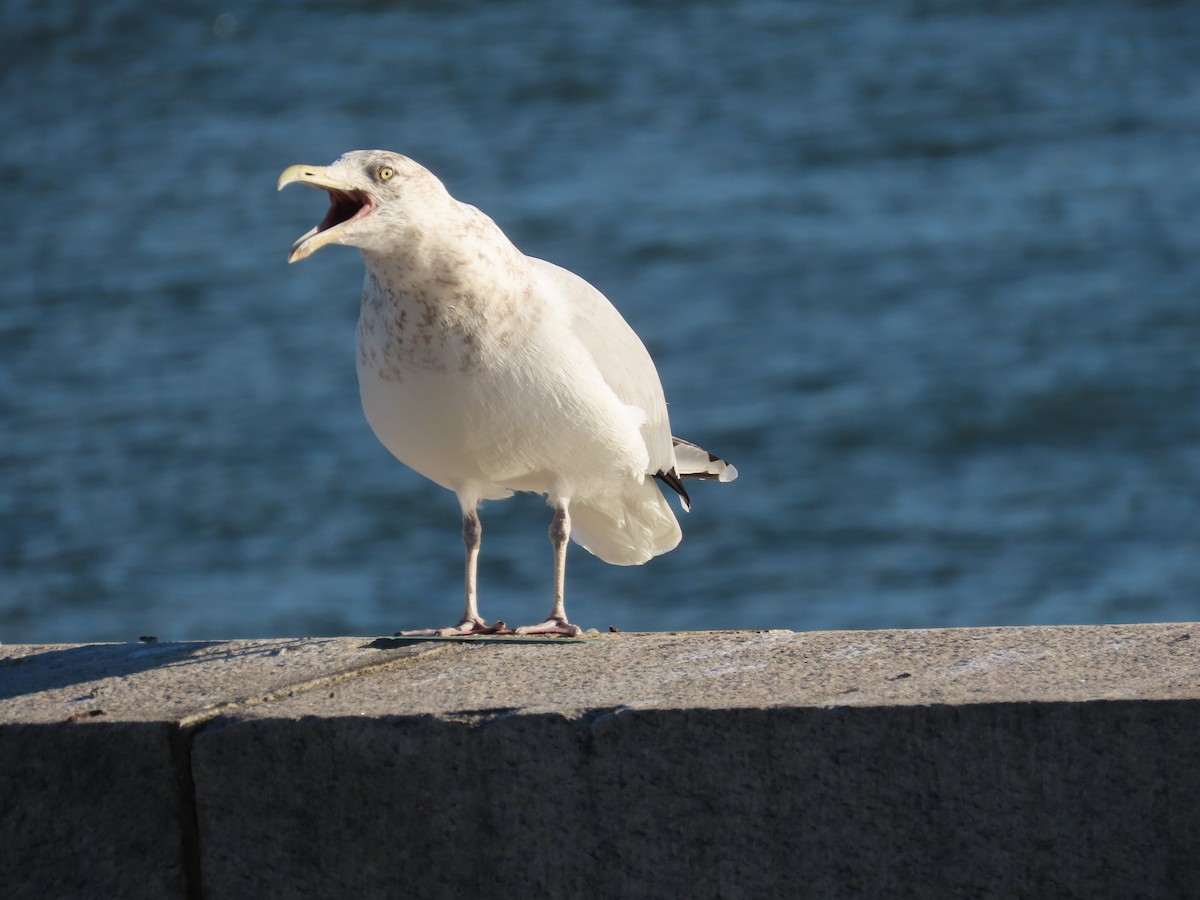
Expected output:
(369, 190)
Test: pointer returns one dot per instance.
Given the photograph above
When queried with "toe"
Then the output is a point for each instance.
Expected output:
(552, 626)
(465, 628)
(469, 627)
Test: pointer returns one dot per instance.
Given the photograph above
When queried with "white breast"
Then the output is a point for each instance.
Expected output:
(486, 412)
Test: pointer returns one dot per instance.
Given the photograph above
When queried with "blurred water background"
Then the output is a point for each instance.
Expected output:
(928, 272)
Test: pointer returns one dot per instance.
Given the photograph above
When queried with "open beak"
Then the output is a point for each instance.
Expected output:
(346, 204)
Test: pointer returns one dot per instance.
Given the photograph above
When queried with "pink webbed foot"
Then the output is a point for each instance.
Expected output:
(551, 626)
(465, 628)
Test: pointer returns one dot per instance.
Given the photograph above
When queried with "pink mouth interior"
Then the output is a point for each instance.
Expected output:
(344, 206)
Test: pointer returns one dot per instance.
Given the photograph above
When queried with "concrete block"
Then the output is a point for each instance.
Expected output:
(91, 810)
(96, 794)
(1033, 762)
(988, 762)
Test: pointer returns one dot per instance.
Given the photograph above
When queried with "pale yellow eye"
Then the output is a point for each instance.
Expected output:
(386, 172)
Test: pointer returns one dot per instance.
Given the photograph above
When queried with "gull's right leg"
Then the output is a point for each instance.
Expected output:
(471, 622)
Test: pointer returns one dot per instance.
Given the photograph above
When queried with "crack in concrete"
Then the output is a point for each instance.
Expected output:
(195, 720)
(180, 742)
(183, 735)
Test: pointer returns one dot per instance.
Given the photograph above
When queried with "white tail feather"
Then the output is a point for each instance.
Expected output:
(627, 530)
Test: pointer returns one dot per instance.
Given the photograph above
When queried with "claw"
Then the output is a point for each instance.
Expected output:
(465, 628)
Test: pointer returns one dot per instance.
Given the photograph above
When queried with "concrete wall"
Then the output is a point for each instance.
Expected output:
(1040, 762)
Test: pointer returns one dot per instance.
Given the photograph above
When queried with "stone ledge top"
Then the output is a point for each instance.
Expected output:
(189, 682)
(172, 680)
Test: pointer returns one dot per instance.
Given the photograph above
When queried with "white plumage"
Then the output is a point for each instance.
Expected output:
(489, 372)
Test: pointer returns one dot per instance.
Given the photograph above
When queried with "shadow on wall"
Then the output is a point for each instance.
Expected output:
(62, 667)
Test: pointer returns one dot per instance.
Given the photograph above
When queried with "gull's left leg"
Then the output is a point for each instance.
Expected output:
(560, 534)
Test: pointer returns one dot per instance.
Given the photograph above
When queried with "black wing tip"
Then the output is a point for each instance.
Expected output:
(671, 479)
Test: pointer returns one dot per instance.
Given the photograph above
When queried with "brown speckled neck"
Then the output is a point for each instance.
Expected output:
(427, 305)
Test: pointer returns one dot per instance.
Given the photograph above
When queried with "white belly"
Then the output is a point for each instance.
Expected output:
(496, 423)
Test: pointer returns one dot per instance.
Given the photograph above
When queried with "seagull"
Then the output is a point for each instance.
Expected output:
(488, 372)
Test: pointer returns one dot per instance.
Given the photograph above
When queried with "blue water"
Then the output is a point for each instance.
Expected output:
(927, 272)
